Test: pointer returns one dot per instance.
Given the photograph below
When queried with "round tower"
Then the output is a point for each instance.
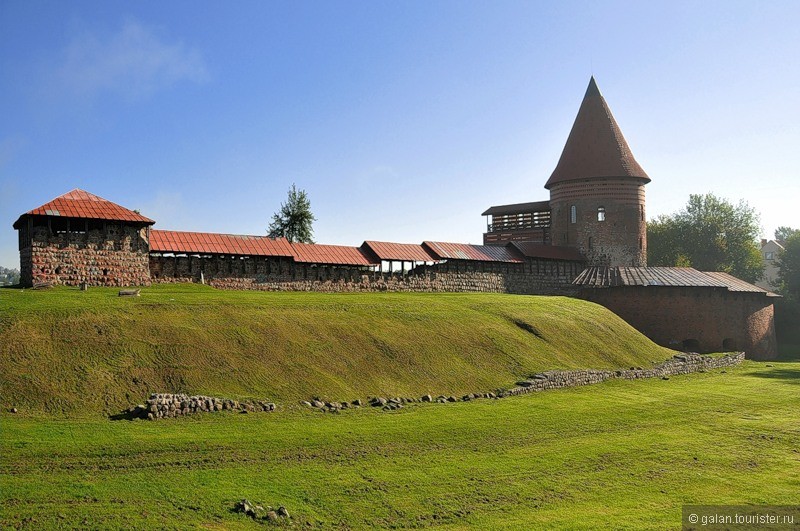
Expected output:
(597, 190)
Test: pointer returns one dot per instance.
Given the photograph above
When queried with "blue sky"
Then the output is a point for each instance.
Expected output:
(402, 120)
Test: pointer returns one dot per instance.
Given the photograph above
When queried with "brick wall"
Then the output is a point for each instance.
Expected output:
(115, 255)
(696, 319)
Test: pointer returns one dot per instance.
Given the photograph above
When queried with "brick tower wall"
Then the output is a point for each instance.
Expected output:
(620, 240)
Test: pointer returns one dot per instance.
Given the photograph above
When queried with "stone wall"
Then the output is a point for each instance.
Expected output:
(113, 255)
(281, 274)
(699, 319)
(679, 364)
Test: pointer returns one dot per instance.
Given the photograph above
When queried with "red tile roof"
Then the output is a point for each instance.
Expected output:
(82, 204)
(170, 241)
(466, 251)
(517, 208)
(313, 253)
(595, 146)
(553, 252)
(407, 252)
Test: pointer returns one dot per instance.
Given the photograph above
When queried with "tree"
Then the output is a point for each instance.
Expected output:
(710, 234)
(9, 276)
(782, 234)
(788, 264)
(294, 220)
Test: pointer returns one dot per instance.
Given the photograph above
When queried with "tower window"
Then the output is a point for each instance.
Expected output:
(590, 242)
(641, 212)
(573, 214)
(601, 213)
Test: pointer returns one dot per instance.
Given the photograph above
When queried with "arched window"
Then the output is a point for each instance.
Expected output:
(601, 213)
(573, 214)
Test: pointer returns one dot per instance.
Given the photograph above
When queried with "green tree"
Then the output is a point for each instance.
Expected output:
(783, 233)
(710, 234)
(788, 264)
(294, 220)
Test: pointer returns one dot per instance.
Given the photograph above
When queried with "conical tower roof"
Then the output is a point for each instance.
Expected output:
(595, 146)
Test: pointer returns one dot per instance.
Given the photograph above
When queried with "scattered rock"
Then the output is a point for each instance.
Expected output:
(427, 398)
(356, 402)
(13, 410)
(665, 377)
(247, 508)
(283, 512)
(272, 516)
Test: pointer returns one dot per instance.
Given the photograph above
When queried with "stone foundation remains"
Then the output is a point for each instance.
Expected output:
(679, 364)
(167, 405)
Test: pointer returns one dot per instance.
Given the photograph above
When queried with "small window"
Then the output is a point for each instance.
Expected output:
(601, 213)
(769, 255)
(60, 225)
(641, 212)
(573, 214)
(590, 242)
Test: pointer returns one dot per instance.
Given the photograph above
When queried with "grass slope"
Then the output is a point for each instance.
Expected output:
(623, 454)
(92, 352)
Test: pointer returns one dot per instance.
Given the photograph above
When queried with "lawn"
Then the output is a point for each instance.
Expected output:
(622, 454)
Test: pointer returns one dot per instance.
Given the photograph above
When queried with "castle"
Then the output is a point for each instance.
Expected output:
(589, 241)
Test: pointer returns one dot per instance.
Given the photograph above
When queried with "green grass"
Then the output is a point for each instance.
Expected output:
(93, 353)
(623, 454)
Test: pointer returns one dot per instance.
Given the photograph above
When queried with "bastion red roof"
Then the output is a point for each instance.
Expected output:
(612, 277)
(81, 204)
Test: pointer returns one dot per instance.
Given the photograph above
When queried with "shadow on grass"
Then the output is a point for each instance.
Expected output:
(128, 414)
(776, 372)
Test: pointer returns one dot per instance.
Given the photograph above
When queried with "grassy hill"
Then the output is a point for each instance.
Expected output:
(87, 353)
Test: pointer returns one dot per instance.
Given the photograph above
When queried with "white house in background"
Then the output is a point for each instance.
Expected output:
(770, 249)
